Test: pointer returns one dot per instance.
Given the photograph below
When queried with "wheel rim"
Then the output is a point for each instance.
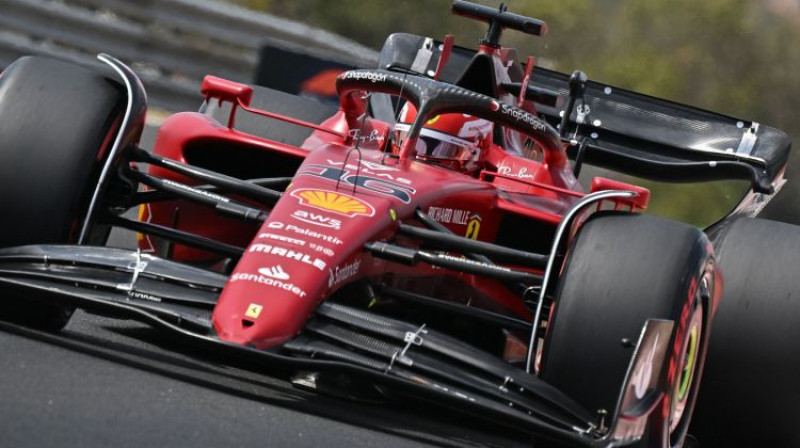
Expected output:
(684, 390)
(685, 381)
(688, 369)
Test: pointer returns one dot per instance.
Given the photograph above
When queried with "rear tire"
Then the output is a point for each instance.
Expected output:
(57, 119)
(622, 270)
(750, 395)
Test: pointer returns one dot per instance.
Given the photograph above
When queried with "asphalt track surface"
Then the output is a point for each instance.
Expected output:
(104, 382)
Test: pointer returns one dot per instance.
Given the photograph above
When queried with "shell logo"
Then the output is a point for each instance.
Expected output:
(340, 203)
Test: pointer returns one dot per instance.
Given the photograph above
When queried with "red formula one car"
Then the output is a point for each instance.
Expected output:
(429, 238)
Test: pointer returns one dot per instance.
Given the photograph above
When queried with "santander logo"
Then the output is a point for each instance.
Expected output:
(275, 272)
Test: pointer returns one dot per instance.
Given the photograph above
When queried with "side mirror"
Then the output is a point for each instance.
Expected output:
(226, 90)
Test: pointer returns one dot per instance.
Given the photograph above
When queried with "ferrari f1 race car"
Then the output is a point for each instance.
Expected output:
(428, 239)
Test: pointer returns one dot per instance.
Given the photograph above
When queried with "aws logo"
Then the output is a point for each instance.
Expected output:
(317, 219)
(334, 202)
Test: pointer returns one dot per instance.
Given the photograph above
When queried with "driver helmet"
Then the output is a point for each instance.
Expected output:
(446, 137)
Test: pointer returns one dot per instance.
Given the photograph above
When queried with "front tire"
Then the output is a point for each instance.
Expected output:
(622, 270)
(57, 121)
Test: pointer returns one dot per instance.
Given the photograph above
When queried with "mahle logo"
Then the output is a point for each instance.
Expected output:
(334, 202)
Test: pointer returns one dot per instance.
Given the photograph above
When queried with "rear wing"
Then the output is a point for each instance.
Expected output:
(662, 140)
(616, 128)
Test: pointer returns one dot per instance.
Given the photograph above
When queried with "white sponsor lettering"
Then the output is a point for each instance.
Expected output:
(275, 272)
(343, 273)
(374, 166)
(144, 296)
(305, 232)
(377, 166)
(281, 238)
(263, 280)
(369, 76)
(299, 230)
(523, 116)
(317, 219)
(372, 169)
(521, 174)
(401, 180)
(473, 262)
(371, 137)
(323, 249)
(289, 254)
(448, 215)
(181, 186)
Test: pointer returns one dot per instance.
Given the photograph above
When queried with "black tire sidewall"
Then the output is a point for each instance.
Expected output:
(54, 118)
(750, 396)
(621, 270)
(57, 122)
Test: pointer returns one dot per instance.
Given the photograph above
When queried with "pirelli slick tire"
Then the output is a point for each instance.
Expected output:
(622, 270)
(750, 395)
(57, 120)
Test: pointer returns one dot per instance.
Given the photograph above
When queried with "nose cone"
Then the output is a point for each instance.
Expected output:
(291, 265)
(270, 294)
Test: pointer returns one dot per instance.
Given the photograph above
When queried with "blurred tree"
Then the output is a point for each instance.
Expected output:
(369, 22)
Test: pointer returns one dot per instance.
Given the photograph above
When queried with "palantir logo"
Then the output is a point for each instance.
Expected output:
(275, 272)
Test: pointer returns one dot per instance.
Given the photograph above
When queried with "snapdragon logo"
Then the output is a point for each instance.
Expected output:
(523, 116)
(370, 76)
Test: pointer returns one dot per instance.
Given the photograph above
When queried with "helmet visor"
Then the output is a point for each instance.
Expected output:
(438, 145)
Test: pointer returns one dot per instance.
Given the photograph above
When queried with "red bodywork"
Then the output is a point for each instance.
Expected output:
(312, 242)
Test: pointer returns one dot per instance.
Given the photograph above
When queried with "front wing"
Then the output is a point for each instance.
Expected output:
(406, 358)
